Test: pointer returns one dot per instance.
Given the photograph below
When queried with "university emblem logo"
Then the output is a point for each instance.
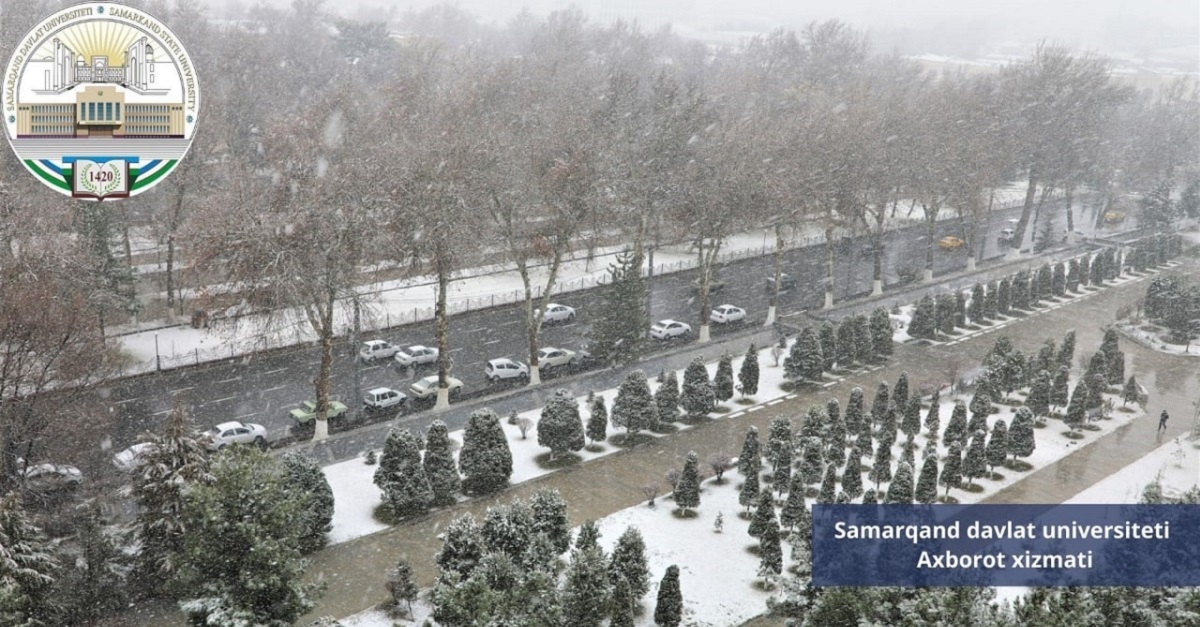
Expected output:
(100, 101)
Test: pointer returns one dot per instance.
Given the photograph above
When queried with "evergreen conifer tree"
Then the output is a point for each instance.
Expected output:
(560, 428)
(1019, 292)
(585, 593)
(813, 425)
(835, 436)
(306, 479)
(550, 518)
(790, 515)
(401, 477)
(1085, 270)
(597, 426)
(960, 308)
(623, 604)
(1004, 297)
(781, 467)
(951, 476)
(687, 493)
(924, 319)
(956, 429)
(828, 489)
(463, 546)
(628, 562)
(1045, 281)
(698, 397)
(1098, 270)
(1038, 400)
(764, 511)
(1131, 391)
(976, 310)
(845, 345)
(889, 426)
(911, 425)
(811, 461)
(881, 468)
(881, 333)
(879, 406)
(1077, 408)
(588, 536)
(977, 424)
(509, 529)
(981, 402)
(668, 611)
(900, 391)
(1066, 351)
(992, 301)
(401, 585)
(1058, 282)
(748, 374)
(1045, 359)
(249, 506)
(900, 490)
(975, 461)
(439, 465)
(805, 363)
(750, 460)
(854, 412)
(173, 461)
(28, 567)
(618, 335)
(1021, 441)
(827, 336)
(864, 440)
(748, 494)
(1116, 367)
(997, 445)
(1073, 276)
(97, 585)
(852, 476)
(770, 551)
(863, 346)
(779, 436)
(946, 313)
(666, 399)
(926, 491)
(933, 419)
(870, 497)
(723, 380)
(485, 460)
(634, 407)
(1059, 387)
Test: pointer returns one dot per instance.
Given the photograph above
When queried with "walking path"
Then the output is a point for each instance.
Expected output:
(355, 571)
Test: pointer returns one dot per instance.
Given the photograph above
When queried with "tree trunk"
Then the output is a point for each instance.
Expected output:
(930, 233)
(877, 277)
(828, 267)
(170, 272)
(534, 322)
(443, 330)
(774, 304)
(1070, 198)
(354, 335)
(321, 426)
(1018, 238)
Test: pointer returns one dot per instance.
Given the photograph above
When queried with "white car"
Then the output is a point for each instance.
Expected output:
(234, 432)
(416, 355)
(51, 477)
(428, 386)
(129, 459)
(558, 313)
(726, 314)
(555, 357)
(383, 398)
(377, 349)
(667, 329)
(505, 368)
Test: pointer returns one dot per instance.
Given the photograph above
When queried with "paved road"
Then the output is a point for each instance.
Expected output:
(263, 387)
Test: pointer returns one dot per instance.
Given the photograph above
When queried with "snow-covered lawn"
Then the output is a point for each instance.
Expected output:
(1151, 336)
(714, 594)
(356, 496)
(1175, 464)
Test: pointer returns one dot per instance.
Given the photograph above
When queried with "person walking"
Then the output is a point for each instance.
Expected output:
(1162, 421)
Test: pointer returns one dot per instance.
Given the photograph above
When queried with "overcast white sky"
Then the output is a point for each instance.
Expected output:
(1127, 28)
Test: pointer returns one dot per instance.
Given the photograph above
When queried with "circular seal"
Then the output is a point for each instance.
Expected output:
(100, 101)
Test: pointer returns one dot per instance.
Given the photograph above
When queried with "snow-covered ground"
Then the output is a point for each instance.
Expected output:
(1151, 336)
(710, 596)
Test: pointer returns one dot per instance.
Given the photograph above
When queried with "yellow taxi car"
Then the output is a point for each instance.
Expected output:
(950, 242)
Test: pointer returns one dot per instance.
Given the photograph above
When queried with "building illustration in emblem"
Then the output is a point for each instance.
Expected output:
(70, 94)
